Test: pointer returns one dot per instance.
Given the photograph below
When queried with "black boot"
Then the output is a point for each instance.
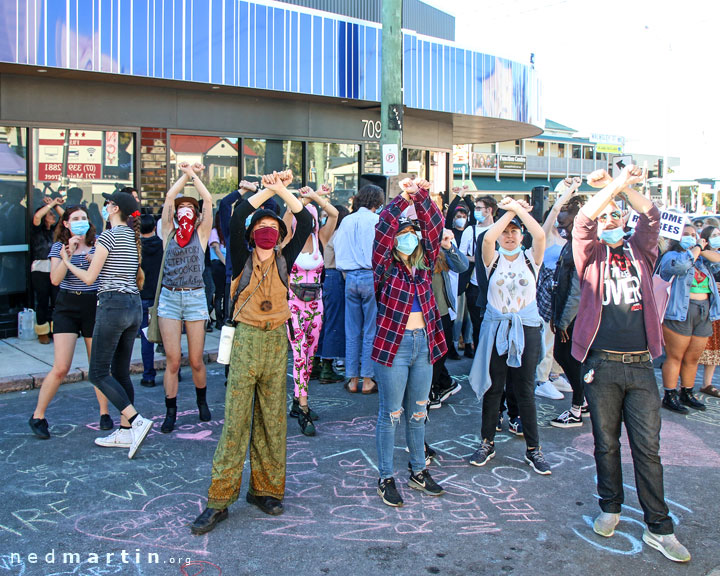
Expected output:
(295, 410)
(671, 402)
(688, 398)
(328, 375)
(208, 520)
(168, 424)
(203, 409)
(315, 371)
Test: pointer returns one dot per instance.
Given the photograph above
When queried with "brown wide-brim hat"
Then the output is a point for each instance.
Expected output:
(187, 199)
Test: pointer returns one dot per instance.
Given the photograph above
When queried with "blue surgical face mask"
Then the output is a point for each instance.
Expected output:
(715, 242)
(687, 242)
(104, 213)
(612, 236)
(460, 222)
(480, 216)
(79, 227)
(247, 220)
(323, 221)
(505, 252)
(406, 243)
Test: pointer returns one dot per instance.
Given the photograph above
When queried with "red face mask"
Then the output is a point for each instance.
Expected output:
(186, 225)
(266, 237)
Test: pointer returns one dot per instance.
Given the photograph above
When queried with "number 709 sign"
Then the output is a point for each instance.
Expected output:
(372, 128)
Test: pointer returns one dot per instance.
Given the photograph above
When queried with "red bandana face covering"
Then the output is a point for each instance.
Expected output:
(186, 221)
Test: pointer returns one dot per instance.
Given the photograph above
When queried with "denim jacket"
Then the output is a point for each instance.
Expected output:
(505, 331)
(679, 265)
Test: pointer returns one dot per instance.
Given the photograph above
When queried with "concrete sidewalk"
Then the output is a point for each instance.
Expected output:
(25, 363)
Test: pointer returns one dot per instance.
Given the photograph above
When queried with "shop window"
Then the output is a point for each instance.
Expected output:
(219, 155)
(372, 158)
(262, 156)
(561, 150)
(13, 216)
(79, 165)
(575, 151)
(438, 171)
(416, 163)
(334, 164)
(541, 148)
(588, 152)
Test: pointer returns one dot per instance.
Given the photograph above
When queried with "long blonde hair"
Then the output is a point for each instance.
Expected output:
(416, 259)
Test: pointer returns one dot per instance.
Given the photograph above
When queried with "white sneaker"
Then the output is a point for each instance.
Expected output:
(668, 545)
(547, 390)
(120, 438)
(561, 383)
(139, 430)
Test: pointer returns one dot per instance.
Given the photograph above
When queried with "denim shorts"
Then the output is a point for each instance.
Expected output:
(697, 322)
(188, 305)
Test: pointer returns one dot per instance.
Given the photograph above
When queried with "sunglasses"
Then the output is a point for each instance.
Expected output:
(615, 215)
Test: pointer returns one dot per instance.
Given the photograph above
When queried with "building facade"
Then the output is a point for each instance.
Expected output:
(100, 94)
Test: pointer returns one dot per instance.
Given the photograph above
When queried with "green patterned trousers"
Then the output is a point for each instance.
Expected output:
(254, 412)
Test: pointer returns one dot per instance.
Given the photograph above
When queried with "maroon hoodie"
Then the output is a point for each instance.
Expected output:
(591, 258)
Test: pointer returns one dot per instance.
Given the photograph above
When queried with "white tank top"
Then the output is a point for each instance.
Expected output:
(310, 260)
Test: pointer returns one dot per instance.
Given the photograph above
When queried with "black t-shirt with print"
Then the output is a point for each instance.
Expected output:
(622, 324)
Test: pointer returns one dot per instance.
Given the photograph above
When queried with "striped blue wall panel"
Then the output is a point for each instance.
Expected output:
(261, 44)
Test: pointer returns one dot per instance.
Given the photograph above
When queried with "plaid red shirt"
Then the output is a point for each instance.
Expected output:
(395, 300)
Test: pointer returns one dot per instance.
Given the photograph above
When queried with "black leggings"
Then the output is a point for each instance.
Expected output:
(571, 367)
(218, 275)
(45, 294)
(523, 384)
(441, 379)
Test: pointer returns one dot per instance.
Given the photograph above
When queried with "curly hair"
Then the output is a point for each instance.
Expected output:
(63, 234)
(369, 196)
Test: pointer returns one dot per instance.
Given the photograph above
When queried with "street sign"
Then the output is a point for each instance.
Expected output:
(619, 163)
(391, 165)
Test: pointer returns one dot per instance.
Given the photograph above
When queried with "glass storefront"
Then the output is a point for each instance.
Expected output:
(372, 158)
(417, 163)
(78, 165)
(219, 155)
(264, 156)
(334, 164)
(13, 215)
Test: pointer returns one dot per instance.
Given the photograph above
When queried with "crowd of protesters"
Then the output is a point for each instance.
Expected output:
(389, 292)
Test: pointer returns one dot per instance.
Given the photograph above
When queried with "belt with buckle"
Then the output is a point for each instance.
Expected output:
(78, 292)
(627, 358)
(182, 289)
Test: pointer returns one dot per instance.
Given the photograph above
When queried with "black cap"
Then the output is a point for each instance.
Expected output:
(407, 222)
(126, 202)
(517, 222)
(264, 213)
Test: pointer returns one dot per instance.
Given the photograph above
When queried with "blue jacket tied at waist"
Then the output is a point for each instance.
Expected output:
(505, 332)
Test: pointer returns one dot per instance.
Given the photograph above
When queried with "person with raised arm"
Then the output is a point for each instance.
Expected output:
(182, 297)
(409, 337)
(616, 337)
(116, 267)
(255, 397)
(511, 333)
(306, 301)
(554, 243)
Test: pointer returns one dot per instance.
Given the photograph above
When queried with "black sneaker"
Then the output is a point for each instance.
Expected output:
(537, 461)
(468, 352)
(671, 402)
(434, 401)
(306, 424)
(388, 492)
(295, 411)
(451, 391)
(567, 420)
(106, 422)
(482, 455)
(515, 426)
(498, 426)
(688, 398)
(147, 383)
(429, 454)
(39, 426)
(423, 481)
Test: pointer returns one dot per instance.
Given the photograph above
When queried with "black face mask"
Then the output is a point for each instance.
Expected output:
(564, 233)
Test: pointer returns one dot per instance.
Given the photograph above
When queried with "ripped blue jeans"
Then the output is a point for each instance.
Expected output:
(403, 390)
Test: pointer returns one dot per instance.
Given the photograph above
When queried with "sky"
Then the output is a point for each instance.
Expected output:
(647, 70)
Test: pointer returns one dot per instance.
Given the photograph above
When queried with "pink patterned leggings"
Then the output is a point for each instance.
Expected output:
(307, 322)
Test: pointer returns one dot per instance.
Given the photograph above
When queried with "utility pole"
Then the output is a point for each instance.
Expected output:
(391, 106)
